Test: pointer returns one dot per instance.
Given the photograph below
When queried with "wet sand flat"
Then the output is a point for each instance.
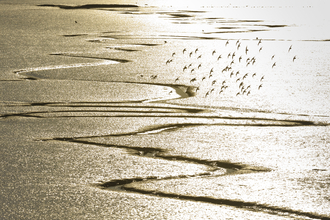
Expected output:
(142, 111)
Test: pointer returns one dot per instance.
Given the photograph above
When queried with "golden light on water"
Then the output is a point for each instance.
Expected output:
(187, 110)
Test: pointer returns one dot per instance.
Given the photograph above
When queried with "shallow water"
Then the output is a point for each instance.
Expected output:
(164, 111)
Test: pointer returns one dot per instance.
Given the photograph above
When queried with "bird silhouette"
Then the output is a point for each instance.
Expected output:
(294, 58)
(193, 80)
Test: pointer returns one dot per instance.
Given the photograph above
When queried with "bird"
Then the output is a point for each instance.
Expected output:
(76, 22)
(193, 80)
(238, 46)
(260, 86)
(227, 43)
(259, 42)
(199, 66)
(254, 74)
(192, 70)
(294, 58)
(213, 52)
(184, 50)
(290, 48)
(260, 49)
(200, 56)
(246, 50)
(196, 50)
(168, 61)
(273, 57)
(237, 42)
(274, 64)
(173, 54)
(219, 56)
(262, 78)
(211, 71)
(177, 79)
(239, 59)
(213, 82)
(190, 54)
(184, 68)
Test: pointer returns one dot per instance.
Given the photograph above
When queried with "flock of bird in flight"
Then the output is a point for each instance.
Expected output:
(229, 70)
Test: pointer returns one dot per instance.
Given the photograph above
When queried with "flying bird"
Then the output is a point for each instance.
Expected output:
(294, 58)
(193, 80)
